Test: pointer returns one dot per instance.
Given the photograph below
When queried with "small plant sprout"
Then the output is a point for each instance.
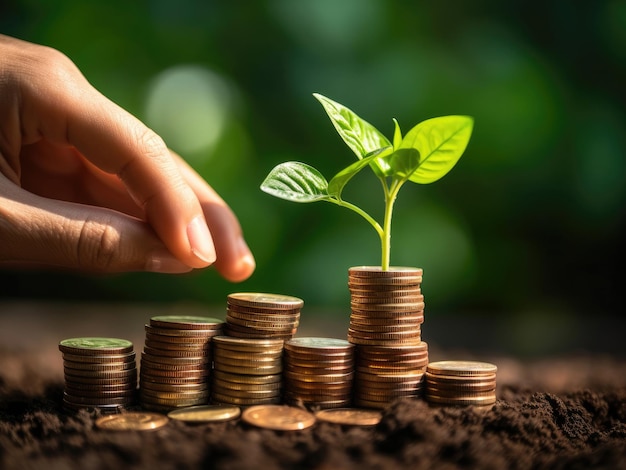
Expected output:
(425, 154)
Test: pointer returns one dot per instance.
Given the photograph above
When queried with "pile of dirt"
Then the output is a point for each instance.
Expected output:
(528, 427)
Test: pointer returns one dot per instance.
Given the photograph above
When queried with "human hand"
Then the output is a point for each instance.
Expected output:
(84, 185)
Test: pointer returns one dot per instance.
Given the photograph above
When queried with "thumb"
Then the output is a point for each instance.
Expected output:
(86, 238)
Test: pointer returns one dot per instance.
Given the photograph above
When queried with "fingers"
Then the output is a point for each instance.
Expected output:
(59, 104)
(59, 109)
(235, 261)
(44, 231)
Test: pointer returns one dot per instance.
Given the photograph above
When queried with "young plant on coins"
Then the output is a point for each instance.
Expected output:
(425, 154)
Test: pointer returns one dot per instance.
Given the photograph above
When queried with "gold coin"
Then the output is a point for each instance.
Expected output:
(247, 379)
(350, 416)
(377, 271)
(461, 368)
(319, 370)
(184, 341)
(257, 299)
(249, 394)
(186, 373)
(251, 361)
(205, 413)
(318, 344)
(218, 398)
(96, 401)
(247, 344)
(460, 388)
(179, 333)
(278, 417)
(263, 326)
(100, 358)
(186, 322)
(185, 380)
(457, 380)
(132, 421)
(319, 364)
(174, 387)
(263, 317)
(243, 386)
(197, 353)
(201, 348)
(257, 370)
(242, 355)
(95, 346)
(480, 401)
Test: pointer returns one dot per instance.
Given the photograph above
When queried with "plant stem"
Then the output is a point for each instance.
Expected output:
(390, 198)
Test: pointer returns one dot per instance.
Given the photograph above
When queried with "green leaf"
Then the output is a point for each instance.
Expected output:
(404, 162)
(339, 181)
(397, 135)
(359, 135)
(297, 182)
(440, 142)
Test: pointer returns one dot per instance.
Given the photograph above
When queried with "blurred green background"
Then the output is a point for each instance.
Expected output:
(527, 226)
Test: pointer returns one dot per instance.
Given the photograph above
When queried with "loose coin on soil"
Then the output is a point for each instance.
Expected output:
(132, 421)
(350, 416)
(205, 413)
(278, 417)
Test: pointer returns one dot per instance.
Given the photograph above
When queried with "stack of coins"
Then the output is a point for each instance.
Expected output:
(387, 311)
(461, 383)
(247, 371)
(319, 372)
(262, 316)
(176, 361)
(100, 373)
(384, 373)
(387, 307)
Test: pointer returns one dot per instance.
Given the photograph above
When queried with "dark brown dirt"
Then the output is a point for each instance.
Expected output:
(566, 412)
(527, 428)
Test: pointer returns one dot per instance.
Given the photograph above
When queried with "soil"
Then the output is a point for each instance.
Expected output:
(557, 412)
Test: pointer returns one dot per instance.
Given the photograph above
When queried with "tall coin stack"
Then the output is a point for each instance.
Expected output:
(387, 311)
(176, 361)
(100, 373)
(461, 383)
(318, 372)
(247, 371)
(262, 316)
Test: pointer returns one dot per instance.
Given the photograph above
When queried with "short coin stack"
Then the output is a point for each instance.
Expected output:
(387, 311)
(247, 371)
(262, 316)
(100, 373)
(385, 373)
(176, 361)
(319, 372)
(461, 383)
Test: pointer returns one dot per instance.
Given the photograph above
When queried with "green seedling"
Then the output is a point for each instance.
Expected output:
(425, 154)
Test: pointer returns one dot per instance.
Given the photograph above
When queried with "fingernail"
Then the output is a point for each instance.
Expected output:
(200, 240)
(162, 261)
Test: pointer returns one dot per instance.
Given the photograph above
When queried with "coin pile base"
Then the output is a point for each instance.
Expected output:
(100, 373)
(384, 373)
(318, 372)
(461, 383)
(176, 361)
(247, 371)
